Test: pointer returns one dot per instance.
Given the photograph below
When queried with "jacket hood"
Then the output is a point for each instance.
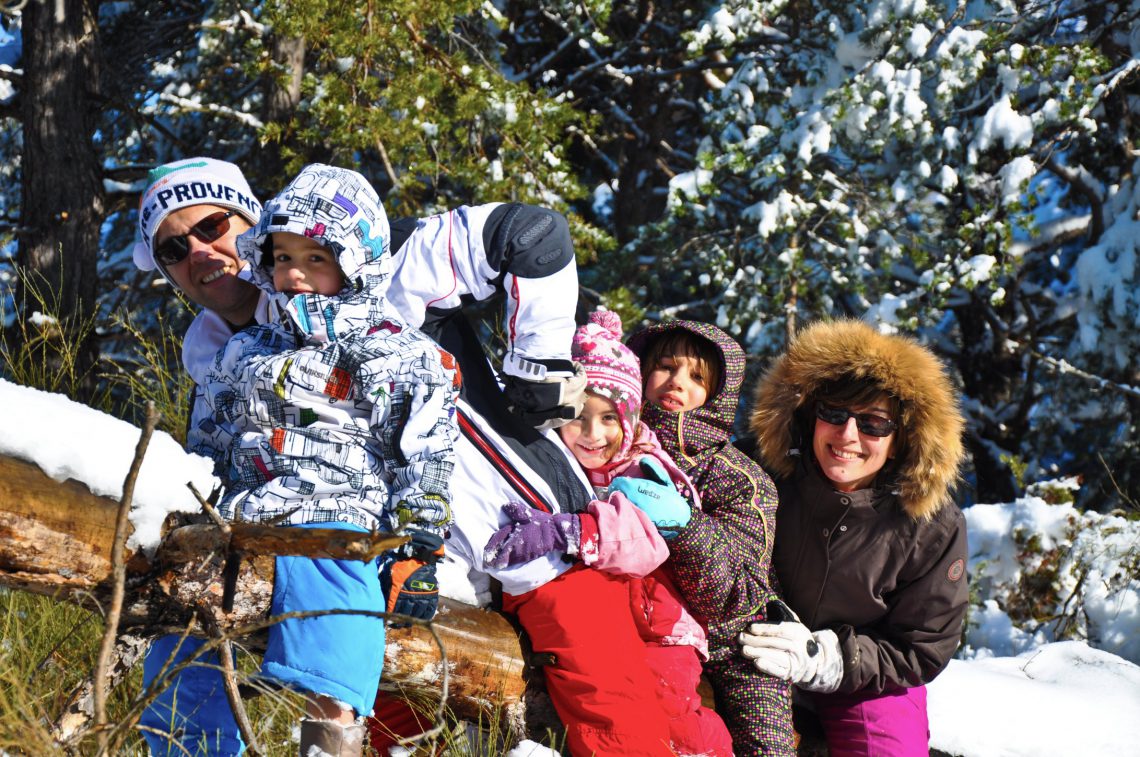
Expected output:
(692, 435)
(826, 351)
(340, 209)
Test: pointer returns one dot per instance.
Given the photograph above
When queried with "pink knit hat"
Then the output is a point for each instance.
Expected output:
(612, 370)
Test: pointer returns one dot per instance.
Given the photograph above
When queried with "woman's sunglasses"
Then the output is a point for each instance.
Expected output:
(867, 423)
(210, 229)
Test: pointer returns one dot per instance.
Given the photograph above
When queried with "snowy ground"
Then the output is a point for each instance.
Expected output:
(1015, 692)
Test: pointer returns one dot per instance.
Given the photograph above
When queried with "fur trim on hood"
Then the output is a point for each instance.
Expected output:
(827, 351)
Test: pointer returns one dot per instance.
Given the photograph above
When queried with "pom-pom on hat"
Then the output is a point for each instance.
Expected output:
(183, 183)
(612, 370)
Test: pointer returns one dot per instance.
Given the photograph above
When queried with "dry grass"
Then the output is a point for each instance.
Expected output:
(47, 648)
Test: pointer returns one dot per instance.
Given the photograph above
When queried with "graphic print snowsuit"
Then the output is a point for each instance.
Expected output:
(339, 414)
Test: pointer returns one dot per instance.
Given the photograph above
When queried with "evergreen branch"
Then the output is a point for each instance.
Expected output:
(447, 65)
(610, 163)
(540, 66)
(624, 118)
(631, 63)
(140, 117)
(673, 310)
(1065, 367)
(241, 20)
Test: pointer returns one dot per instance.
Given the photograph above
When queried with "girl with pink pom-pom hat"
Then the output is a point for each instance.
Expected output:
(619, 543)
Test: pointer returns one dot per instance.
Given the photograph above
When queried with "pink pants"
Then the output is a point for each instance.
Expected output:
(875, 725)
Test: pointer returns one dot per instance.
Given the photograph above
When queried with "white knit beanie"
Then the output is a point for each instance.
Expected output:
(183, 183)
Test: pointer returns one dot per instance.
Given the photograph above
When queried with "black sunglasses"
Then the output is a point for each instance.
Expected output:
(209, 229)
(867, 423)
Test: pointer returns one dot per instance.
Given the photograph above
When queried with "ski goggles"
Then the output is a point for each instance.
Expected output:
(867, 423)
(213, 227)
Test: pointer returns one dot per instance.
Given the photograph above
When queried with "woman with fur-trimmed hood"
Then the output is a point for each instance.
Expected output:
(862, 432)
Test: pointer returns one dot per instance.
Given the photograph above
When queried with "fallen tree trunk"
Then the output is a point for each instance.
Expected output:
(55, 540)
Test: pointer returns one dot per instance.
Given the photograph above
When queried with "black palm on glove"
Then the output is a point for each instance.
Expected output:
(783, 647)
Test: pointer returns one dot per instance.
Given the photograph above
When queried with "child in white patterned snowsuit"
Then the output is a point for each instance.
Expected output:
(336, 414)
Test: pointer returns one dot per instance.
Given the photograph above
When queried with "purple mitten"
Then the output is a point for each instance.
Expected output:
(532, 534)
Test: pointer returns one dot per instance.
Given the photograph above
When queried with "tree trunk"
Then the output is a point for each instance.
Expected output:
(656, 112)
(282, 97)
(988, 374)
(62, 193)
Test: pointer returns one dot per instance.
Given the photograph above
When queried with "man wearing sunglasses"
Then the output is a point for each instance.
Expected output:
(189, 216)
(192, 211)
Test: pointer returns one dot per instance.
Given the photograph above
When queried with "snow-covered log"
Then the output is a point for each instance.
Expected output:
(55, 540)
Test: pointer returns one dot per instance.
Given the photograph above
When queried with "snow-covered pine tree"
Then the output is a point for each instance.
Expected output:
(953, 170)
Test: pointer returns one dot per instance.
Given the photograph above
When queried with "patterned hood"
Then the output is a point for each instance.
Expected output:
(693, 438)
(340, 209)
(826, 351)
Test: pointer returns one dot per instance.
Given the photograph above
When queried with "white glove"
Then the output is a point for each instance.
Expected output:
(812, 661)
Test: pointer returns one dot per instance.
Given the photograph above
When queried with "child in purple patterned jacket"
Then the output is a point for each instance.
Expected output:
(721, 553)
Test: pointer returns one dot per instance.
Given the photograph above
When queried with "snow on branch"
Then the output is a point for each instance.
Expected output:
(671, 311)
(1063, 366)
(191, 105)
(241, 20)
(1113, 78)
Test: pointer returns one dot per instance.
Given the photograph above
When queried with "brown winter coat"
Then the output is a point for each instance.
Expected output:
(883, 567)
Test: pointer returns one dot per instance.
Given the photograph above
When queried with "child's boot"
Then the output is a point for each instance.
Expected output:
(328, 738)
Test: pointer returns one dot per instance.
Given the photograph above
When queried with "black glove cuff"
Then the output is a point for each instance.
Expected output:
(778, 612)
(529, 396)
(424, 546)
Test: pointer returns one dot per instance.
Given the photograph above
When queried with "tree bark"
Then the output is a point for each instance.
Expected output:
(282, 97)
(62, 193)
(657, 116)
